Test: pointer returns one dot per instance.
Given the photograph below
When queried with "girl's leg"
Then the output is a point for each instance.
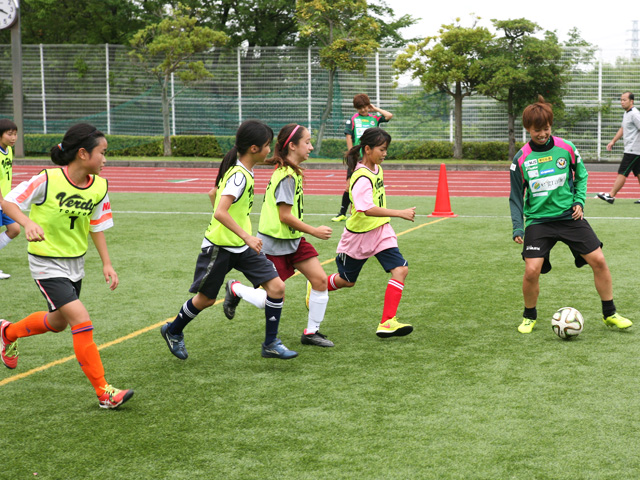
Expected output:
(172, 331)
(604, 287)
(317, 302)
(273, 308)
(393, 294)
(530, 292)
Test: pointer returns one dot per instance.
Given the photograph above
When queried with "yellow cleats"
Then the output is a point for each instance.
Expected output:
(617, 320)
(393, 328)
(527, 325)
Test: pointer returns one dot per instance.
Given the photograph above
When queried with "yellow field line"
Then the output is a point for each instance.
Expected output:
(152, 327)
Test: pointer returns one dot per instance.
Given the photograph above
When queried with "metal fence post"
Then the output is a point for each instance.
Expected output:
(44, 96)
(108, 90)
(239, 90)
(377, 79)
(173, 106)
(309, 87)
(599, 135)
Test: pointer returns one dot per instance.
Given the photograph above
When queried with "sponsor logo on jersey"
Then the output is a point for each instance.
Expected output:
(545, 159)
(561, 163)
(530, 163)
(74, 204)
(548, 170)
(533, 173)
(548, 183)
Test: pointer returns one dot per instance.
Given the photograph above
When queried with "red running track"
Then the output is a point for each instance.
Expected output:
(327, 182)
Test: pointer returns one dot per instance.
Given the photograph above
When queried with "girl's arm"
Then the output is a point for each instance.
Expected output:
(212, 195)
(222, 215)
(32, 230)
(110, 274)
(286, 217)
(407, 214)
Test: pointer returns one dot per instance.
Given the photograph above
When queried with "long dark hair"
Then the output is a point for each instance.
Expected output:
(372, 137)
(281, 150)
(81, 135)
(250, 132)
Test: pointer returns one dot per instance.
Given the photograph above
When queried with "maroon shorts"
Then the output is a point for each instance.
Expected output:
(285, 263)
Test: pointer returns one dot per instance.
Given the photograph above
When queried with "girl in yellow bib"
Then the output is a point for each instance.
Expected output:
(68, 205)
(281, 229)
(228, 243)
(368, 232)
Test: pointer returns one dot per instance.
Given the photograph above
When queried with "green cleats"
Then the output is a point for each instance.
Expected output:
(527, 325)
(306, 299)
(617, 320)
(339, 218)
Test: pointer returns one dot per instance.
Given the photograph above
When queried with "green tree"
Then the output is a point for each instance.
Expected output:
(166, 48)
(449, 63)
(78, 21)
(346, 34)
(519, 66)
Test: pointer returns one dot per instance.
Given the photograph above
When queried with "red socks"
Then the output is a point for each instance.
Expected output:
(331, 286)
(392, 298)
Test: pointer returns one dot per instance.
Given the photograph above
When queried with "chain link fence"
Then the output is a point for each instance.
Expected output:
(66, 84)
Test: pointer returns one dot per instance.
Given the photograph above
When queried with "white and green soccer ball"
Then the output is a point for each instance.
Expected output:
(567, 323)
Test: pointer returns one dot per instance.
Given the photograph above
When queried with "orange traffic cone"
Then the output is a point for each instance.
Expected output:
(443, 205)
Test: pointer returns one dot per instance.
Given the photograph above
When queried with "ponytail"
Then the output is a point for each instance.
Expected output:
(372, 137)
(291, 133)
(81, 135)
(251, 132)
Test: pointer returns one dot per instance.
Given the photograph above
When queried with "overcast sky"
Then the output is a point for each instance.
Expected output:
(609, 28)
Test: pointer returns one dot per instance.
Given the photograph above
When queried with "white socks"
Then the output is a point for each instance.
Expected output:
(4, 239)
(255, 296)
(317, 306)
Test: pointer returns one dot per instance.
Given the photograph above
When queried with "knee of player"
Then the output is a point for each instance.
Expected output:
(13, 230)
(400, 273)
(274, 288)
(319, 284)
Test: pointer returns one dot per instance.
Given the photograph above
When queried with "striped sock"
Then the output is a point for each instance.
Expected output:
(272, 312)
(88, 356)
(392, 298)
(331, 285)
(187, 313)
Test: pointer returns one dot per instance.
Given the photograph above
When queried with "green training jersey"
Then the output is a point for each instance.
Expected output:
(6, 170)
(546, 182)
(270, 223)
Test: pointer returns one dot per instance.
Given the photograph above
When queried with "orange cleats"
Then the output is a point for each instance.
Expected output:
(9, 351)
(113, 398)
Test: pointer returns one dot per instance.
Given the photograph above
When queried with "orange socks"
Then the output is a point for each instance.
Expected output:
(34, 324)
(88, 356)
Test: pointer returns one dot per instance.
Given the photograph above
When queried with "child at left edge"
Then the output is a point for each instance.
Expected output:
(8, 137)
(58, 241)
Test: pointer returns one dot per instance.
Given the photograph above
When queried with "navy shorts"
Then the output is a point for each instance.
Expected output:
(630, 163)
(349, 268)
(5, 219)
(578, 235)
(215, 262)
(59, 291)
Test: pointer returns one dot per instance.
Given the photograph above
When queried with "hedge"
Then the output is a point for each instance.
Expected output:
(211, 146)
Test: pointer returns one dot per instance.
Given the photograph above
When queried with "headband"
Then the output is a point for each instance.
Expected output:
(60, 147)
(290, 135)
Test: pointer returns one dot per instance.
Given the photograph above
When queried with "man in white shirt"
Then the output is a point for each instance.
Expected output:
(630, 130)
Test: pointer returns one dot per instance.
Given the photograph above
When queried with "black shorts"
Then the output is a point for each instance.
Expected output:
(540, 238)
(59, 291)
(215, 262)
(349, 268)
(630, 163)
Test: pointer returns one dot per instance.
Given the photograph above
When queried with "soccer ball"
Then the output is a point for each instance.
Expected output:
(567, 323)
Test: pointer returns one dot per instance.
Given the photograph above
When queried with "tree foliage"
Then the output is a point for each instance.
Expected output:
(345, 33)
(451, 63)
(519, 66)
(166, 48)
